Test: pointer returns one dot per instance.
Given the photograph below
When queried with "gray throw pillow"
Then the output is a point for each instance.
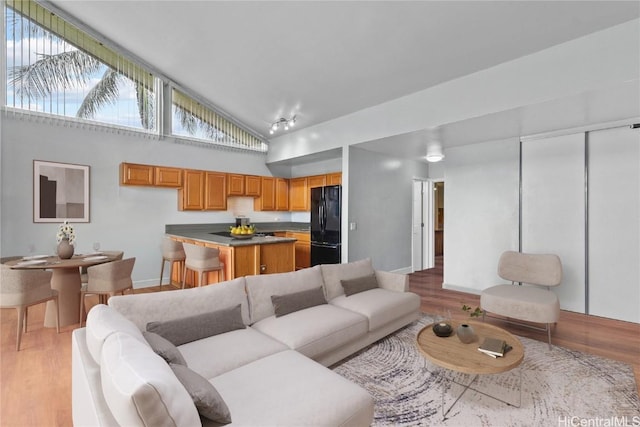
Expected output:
(359, 284)
(204, 395)
(164, 348)
(193, 328)
(285, 304)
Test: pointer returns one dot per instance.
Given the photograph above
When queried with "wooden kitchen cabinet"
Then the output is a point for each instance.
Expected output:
(202, 191)
(215, 196)
(150, 175)
(317, 181)
(191, 195)
(252, 186)
(334, 178)
(243, 185)
(135, 174)
(298, 194)
(167, 177)
(302, 248)
(235, 185)
(282, 194)
(267, 199)
(277, 258)
(274, 195)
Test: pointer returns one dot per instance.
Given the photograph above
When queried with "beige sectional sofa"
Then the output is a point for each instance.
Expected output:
(269, 370)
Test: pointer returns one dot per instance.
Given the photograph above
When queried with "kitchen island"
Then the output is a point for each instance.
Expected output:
(261, 254)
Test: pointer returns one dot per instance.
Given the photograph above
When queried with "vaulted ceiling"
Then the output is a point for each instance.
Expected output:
(261, 60)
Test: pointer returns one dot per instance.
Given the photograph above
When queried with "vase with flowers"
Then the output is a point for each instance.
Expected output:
(66, 238)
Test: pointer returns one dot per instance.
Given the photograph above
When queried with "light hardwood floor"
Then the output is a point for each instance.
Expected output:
(36, 382)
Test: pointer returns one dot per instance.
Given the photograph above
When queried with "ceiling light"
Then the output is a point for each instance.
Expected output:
(434, 145)
(282, 122)
(435, 154)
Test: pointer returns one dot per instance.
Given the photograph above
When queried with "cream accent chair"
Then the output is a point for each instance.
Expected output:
(201, 259)
(527, 301)
(20, 289)
(172, 251)
(107, 280)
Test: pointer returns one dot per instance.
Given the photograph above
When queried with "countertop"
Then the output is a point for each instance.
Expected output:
(202, 233)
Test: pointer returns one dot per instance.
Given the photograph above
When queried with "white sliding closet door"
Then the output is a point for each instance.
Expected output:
(614, 224)
(553, 209)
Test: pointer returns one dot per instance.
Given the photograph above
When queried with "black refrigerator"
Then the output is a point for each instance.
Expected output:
(325, 225)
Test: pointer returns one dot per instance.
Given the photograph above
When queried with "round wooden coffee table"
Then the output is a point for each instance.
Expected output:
(450, 353)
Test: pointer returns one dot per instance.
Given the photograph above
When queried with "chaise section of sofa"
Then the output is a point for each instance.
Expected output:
(289, 389)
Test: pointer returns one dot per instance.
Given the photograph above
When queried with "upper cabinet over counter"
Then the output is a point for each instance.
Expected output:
(156, 176)
(300, 189)
(243, 185)
(200, 190)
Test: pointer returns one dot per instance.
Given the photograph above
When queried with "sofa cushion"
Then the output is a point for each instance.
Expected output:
(218, 354)
(289, 303)
(103, 321)
(161, 306)
(205, 396)
(260, 288)
(140, 387)
(316, 330)
(313, 396)
(359, 284)
(164, 348)
(379, 306)
(192, 328)
(334, 273)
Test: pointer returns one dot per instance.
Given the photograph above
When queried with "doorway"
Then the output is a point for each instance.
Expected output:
(438, 216)
(422, 225)
(427, 233)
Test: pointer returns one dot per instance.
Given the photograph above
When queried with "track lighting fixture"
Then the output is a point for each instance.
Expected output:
(282, 123)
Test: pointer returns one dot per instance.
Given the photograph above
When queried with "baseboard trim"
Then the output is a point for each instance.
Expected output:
(404, 270)
(451, 287)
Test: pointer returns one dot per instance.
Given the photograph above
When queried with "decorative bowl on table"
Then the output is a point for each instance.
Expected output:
(242, 236)
(442, 329)
(242, 231)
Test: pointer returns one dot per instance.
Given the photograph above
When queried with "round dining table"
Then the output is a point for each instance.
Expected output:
(66, 279)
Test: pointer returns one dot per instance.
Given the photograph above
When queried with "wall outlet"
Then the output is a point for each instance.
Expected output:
(353, 226)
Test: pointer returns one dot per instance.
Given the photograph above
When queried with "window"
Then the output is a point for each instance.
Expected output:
(194, 120)
(55, 68)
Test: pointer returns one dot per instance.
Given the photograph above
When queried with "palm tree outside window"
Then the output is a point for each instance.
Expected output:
(49, 74)
(55, 68)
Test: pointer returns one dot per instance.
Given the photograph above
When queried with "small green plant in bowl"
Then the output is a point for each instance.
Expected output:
(477, 312)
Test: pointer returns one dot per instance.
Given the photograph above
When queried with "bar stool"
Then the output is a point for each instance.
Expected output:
(172, 251)
(201, 259)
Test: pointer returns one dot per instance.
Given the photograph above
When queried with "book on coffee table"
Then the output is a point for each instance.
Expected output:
(494, 347)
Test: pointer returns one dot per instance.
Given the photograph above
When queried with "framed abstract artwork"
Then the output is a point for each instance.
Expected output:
(60, 191)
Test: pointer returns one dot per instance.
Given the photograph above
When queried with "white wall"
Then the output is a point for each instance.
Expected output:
(380, 203)
(126, 218)
(481, 212)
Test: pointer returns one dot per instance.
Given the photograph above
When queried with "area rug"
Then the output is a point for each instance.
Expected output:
(559, 387)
